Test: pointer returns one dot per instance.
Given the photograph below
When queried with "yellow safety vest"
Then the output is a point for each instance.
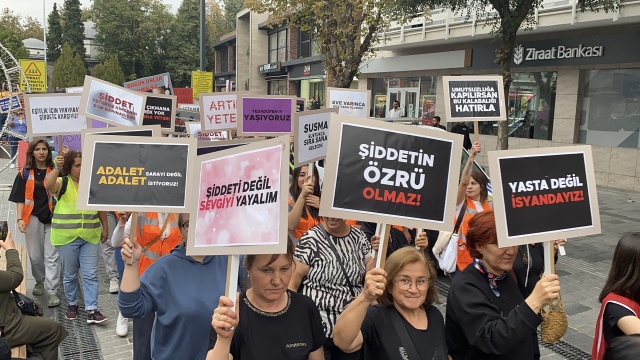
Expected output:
(68, 224)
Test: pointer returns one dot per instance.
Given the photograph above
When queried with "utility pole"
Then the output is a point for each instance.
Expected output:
(44, 28)
(202, 35)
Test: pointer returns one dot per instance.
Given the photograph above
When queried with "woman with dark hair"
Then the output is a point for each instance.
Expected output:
(272, 322)
(487, 316)
(406, 287)
(304, 202)
(34, 204)
(620, 296)
(472, 199)
(77, 235)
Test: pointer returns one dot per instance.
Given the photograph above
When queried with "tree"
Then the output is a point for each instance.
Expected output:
(86, 15)
(505, 18)
(231, 8)
(110, 71)
(10, 22)
(184, 48)
(69, 69)
(72, 26)
(11, 41)
(31, 28)
(346, 31)
(54, 34)
(137, 31)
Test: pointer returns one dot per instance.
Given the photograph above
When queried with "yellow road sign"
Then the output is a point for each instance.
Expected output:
(36, 73)
(201, 82)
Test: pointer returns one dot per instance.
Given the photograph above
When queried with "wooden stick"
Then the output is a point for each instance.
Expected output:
(418, 232)
(133, 230)
(310, 172)
(383, 231)
(549, 264)
(59, 144)
(476, 130)
(233, 265)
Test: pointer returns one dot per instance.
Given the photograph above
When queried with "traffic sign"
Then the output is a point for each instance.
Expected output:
(36, 73)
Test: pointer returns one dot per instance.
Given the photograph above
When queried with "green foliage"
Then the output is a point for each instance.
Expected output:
(69, 70)
(86, 15)
(231, 8)
(110, 71)
(137, 31)
(54, 34)
(72, 26)
(14, 45)
(25, 28)
(346, 31)
(184, 47)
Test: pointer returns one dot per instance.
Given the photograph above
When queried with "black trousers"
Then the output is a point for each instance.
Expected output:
(332, 352)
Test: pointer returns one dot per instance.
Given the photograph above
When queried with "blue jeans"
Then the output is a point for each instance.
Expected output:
(119, 261)
(83, 255)
(13, 142)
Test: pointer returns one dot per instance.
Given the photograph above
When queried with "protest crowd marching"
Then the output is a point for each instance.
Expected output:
(301, 235)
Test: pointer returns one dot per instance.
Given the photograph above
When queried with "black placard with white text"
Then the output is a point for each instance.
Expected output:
(159, 111)
(474, 98)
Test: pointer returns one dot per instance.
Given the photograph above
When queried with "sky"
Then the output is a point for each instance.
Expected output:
(34, 8)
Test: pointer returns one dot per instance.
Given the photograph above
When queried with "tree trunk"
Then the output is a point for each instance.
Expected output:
(503, 59)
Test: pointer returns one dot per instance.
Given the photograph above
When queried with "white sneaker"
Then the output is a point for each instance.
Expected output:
(13, 166)
(122, 325)
(114, 287)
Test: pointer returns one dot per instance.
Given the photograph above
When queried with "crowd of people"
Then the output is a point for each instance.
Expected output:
(323, 299)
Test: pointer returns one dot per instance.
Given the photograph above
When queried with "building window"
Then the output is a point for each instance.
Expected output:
(532, 98)
(611, 108)
(278, 87)
(233, 64)
(308, 46)
(278, 46)
(224, 59)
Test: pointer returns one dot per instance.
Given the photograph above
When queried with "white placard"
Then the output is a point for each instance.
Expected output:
(311, 130)
(111, 103)
(349, 102)
(53, 114)
(218, 111)
(195, 129)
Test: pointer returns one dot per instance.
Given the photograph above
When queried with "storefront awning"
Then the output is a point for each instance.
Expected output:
(308, 77)
(440, 60)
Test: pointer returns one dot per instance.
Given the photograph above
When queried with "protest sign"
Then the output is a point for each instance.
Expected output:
(218, 111)
(6, 106)
(111, 103)
(236, 187)
(53, 114)
(35, 72)
(207, 147)
(266, 115)
(185, 95)
(184, 117)
(160, 110)
(390, 173)
(128, 173)
(544, 194)
(148, 130)
(157, 84)
(201, 82)
(474, 98)
(74, 90)
(311, 132)
(349, 101)
(195, 129)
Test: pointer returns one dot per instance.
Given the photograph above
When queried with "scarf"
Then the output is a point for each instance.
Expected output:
(491, 278)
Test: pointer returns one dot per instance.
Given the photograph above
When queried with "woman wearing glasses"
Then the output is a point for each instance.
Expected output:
(405, 291)
(179, 291)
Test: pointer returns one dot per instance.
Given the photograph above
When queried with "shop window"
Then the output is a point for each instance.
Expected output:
(232, 66)
(611, 108)
(278, 46)
(278, 87)
(224, 59)
(530, 106)
(308, 46)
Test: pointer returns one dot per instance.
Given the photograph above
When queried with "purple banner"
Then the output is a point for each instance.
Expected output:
(267, 115)
(74, 141)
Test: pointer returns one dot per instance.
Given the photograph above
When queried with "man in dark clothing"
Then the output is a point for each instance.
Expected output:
(462, 129)
(436, 123)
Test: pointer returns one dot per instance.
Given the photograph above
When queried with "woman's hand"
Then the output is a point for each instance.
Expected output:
(422, 241)
(59, 161)
(224, 320)
(307, 189)
(375, 242)
(374, 284)
(547, 289)
(130, 250)
(476, 148)
(313, 201)
(124, 216)
(8, 243)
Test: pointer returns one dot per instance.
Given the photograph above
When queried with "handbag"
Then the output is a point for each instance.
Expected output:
(26, 305)
(401, 330)
(446, 247)
(340, 262)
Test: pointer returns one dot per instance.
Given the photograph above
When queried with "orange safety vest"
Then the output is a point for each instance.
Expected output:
(148, 230)
(464, 258)
(305, 224)
(29, 189)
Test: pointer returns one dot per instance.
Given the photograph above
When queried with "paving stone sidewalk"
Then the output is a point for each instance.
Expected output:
(582, 272)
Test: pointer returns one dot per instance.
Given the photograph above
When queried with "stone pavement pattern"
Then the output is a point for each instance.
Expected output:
(582, 273)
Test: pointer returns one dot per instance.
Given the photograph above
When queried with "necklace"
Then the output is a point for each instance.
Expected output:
(40, 172)
(525, 256)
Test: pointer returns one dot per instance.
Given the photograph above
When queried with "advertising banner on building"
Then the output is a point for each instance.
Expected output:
(36, 75)
(127, 173)
(53, 114)
(544, 194)
(218, 111)
(391, 174)
(156, 84)
(240, 196)
(349, 101)
(266, 115)
(111, 103)
(474, 98)
(160, 110)
(311, 133)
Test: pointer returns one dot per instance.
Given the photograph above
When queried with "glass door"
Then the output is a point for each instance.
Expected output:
(408, 99)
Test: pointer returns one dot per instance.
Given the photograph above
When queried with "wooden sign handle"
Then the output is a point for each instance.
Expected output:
(133, 230)
(310, 172)
(418, 232)
(233, 264)
(549, 264)
(476, 130)
(382, 230)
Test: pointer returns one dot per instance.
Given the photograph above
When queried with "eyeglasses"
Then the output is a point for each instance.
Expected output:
(405, 284)
(185, 225)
